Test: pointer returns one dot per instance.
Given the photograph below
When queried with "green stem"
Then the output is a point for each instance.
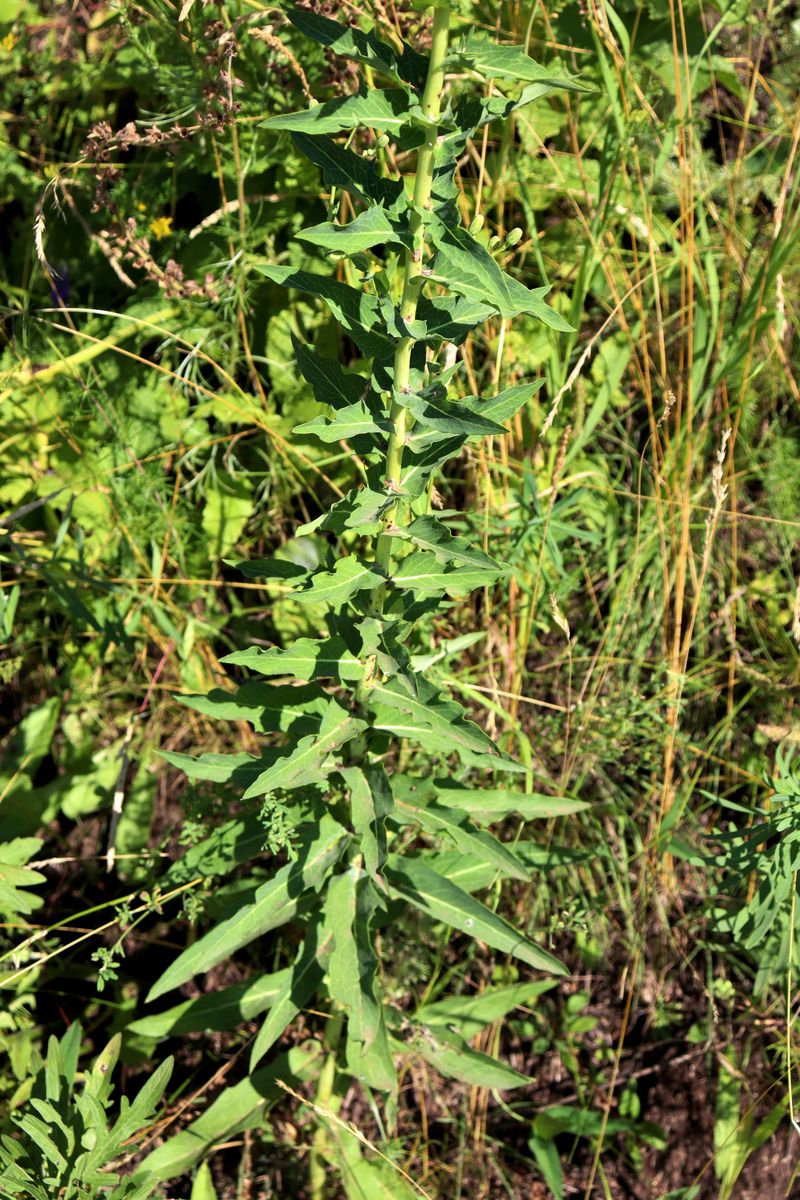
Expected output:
(321, 1149)
(412, 283)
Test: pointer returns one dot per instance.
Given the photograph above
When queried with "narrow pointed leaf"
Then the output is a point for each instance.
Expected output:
(429, 533)
(451, 318)
(331, 383)
(358, 312)
(268, 707)
(227, 847)
(353, 974)
(455, 823)
(450, 1054)
(507, 403)
(494, 804)
(434, 712)
(238, 1107)
(366, 48)
(443, 900)
(425, 573)
(219, 768)
(299, 985)
(342, 168)
(371, 802)
(307, 760)
(360, 509)
(470, 270)
(477, 53)
(274, 903)
(448, 416)
(216, 1011)
(472, 1013)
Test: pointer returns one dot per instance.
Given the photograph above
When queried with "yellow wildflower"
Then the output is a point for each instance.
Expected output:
(161, 227)
(8, 42)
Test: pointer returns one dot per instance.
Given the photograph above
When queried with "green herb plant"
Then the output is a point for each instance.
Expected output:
(64, 1141)
(367, 753)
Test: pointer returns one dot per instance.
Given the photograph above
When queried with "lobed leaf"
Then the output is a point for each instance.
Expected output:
(349, 576)
(366, 48)
(306, 659)
(386, 109)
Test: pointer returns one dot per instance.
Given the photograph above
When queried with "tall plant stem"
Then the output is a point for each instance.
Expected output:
(326, 1099)
(413, 279)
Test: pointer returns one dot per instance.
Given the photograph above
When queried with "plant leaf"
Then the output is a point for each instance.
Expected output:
(429, 533)
(446, 718)
(346, 423)
(371, 801)
(268, 707)
(299, 985)
(426, 574)
(275, 902)
(227, 847)
(451, 1055)
(306, 658)
(384, 108)
(216, 1011)
(330, 382)
(349, 576)
(456, 824)
(443, 900)
(476, 52)
(471, 1014)
(238, 1107)
(370, 228)
(353, 973)
(366, 48)
(360, 509)
(341, 168)
(507, 403)
(469, 269)
(358, 312)
(494, 804)
(239, 768)
(307, 761)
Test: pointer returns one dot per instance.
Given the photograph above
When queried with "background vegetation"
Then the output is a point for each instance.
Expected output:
(642, 657)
